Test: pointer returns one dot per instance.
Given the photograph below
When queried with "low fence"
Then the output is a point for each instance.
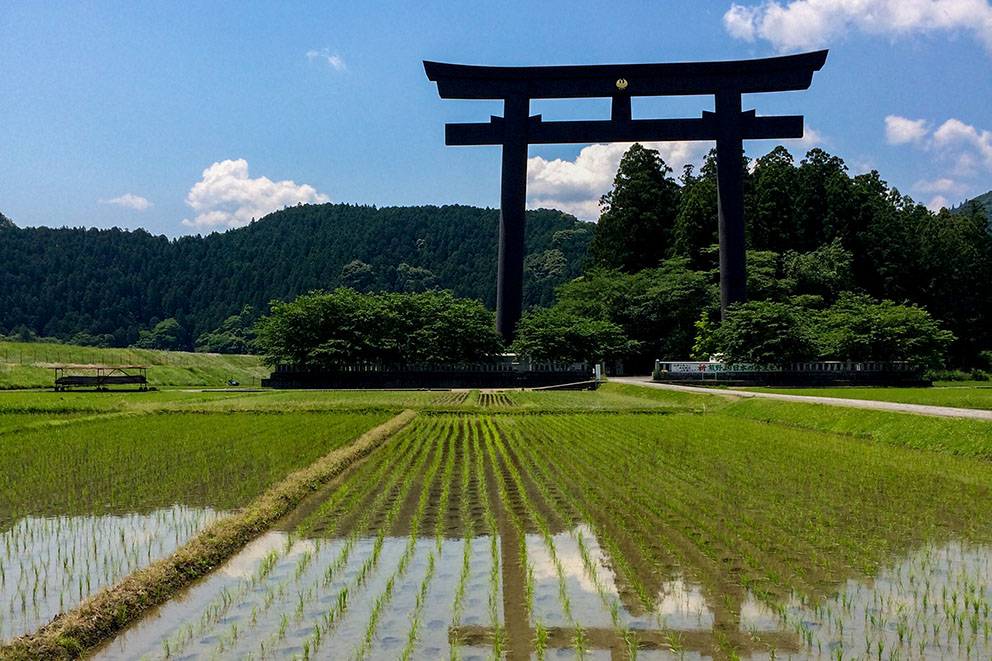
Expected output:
(818, 373)
(399, 377)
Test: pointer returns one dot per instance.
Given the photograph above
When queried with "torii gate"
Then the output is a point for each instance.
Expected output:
(517, 129)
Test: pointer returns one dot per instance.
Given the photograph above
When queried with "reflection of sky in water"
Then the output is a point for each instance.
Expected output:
(679, 603)
(49, 564)
(198, 624)
(938, 598)
(300, 594)
(245, 563)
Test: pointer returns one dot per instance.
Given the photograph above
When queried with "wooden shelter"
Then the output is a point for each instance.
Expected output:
(99, 377)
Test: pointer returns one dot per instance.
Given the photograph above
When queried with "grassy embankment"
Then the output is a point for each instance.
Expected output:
(969, 397)
(29, 365)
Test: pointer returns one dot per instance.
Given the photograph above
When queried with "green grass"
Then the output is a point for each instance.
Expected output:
(969, 397)
(960, 436)
(28, 365)
(84, 401)
(674, 398)
(744, 512)
(786, 491)
(610, 397)
(746, 498)
(139, 462)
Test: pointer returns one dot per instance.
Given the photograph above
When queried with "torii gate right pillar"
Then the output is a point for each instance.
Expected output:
(730, 199)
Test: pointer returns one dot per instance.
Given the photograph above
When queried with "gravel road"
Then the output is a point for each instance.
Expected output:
(920, 409)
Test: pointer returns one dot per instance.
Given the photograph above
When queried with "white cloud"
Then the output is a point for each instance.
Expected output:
(956, 134)
(899, 130)
(811, 138)
(967, 150)
(576, 186)
(130, 201)
(740, 22)
(333, 59)
(804, 24)
(227, 197)
(943, 185)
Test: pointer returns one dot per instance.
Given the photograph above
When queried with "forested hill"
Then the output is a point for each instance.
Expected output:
(61, 282)
(983, 203)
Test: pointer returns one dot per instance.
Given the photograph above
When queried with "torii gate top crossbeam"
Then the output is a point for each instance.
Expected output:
(773, 74)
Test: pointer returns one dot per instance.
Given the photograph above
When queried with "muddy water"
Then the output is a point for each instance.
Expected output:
(50, 564)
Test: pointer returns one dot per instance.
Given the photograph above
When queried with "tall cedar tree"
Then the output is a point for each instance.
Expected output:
(635, 229)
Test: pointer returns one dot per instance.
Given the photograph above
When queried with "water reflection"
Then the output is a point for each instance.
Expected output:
(336, 597)
(50, 564)
(932, 604)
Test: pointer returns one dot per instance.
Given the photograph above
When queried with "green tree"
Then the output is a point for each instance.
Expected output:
(770, 215)
(167, 334)
(763, 281)
(234, 335)
(859, 328)
(697, 219)
(559, 335)
(414, 278)
(635, 229)
(324, 330)
(357, 275)
(826, 271)
(656, 307)
(764, 332)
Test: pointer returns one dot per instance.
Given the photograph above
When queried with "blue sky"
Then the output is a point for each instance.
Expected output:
(195, 117)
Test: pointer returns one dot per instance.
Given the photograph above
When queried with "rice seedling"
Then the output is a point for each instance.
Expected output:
(710, 535)
(84, 505)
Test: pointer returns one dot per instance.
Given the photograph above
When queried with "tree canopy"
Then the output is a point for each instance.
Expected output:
(559, 335)
(328, 330)
(61, 282)
(636, 228)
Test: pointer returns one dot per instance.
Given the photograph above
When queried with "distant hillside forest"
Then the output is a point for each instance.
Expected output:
(827, 251)
(97, 286)
(981, 204)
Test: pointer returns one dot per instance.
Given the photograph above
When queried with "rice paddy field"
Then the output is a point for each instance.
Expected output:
(627, 523)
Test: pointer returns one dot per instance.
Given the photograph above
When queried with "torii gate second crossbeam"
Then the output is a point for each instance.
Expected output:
(517, 129)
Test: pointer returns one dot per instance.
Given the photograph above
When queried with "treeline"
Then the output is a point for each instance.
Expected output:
(815, 235)
(119, 288)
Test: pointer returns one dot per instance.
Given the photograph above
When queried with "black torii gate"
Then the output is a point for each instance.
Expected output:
(517, 129)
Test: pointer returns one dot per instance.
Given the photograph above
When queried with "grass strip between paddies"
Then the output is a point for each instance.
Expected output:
(109, 611)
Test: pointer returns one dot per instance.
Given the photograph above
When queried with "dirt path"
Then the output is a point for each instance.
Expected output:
(920, 409)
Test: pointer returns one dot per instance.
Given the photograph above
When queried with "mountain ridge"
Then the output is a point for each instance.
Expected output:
(59, 282)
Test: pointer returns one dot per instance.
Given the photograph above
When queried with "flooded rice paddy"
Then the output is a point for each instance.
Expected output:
(50, 563)
(607, 537)
(85, 503)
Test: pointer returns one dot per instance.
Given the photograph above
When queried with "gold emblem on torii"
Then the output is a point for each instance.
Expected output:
(622, 84)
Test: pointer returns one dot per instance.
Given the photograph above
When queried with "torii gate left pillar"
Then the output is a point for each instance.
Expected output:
(727, 125)
(512, 223)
